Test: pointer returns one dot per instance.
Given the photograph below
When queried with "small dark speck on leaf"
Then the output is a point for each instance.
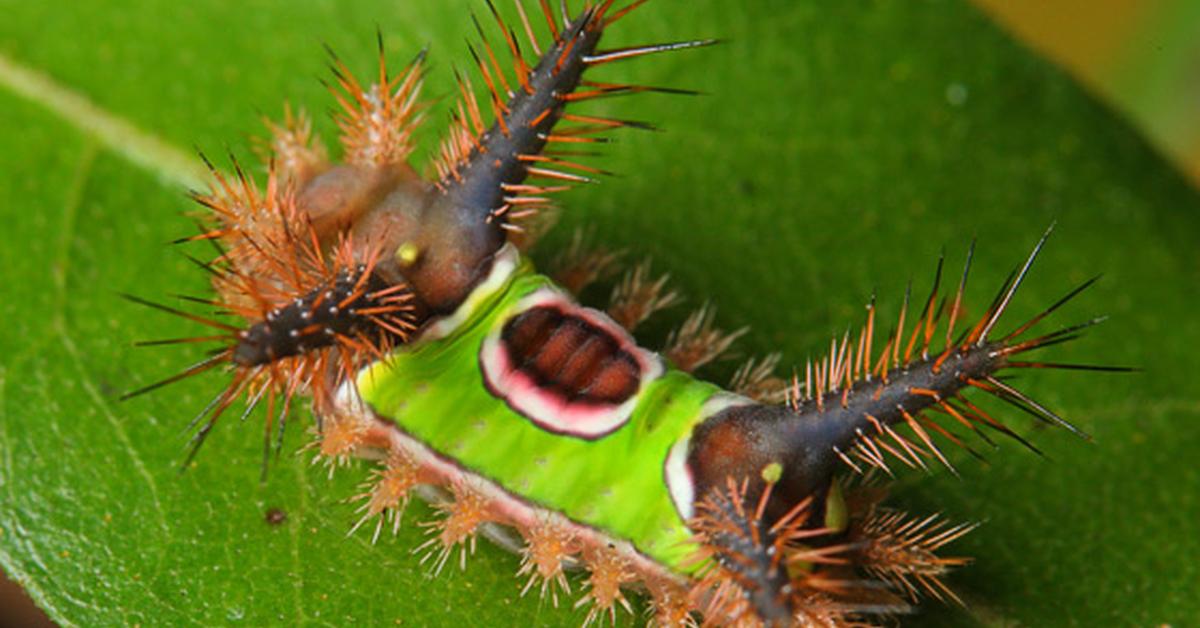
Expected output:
(107, 389)
(276, 516)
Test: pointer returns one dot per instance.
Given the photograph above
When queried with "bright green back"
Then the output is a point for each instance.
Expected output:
(434, 391)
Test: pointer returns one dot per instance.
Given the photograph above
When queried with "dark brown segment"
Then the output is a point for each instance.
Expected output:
(581, 367)
(530, 330)
(557, 349)
(617, 380)
(565, 353)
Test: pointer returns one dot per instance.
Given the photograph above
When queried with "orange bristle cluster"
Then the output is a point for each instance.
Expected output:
(547, 544)
(377, 121)
(272, 257)
(901, 550)
(637, 297)
(790, 572)
(341, 436)
(582, 263)
(744, 560)
(698, 341)
(756, 379)
(463, 514)
(672, 606)
(387, 491)
(609, 571)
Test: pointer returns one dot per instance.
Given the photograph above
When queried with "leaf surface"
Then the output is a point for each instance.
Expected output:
(837, 151)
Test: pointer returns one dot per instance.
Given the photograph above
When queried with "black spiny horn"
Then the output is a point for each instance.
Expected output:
(861, 408)
(490, 177)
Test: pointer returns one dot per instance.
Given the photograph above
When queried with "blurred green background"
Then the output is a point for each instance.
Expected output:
(1141, 56)
(839, 147)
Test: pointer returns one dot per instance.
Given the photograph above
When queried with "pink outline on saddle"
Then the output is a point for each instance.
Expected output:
(548, 409)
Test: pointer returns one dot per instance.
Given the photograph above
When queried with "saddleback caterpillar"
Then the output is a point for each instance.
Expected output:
(405, 308)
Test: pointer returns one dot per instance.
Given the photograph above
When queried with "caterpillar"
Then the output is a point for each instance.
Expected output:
(406, 308)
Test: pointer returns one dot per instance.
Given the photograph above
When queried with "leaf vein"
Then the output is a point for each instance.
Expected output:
(144, 149)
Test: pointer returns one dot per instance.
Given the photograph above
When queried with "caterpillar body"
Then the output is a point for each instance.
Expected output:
(427, 341)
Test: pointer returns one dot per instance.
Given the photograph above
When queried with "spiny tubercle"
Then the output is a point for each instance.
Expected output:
(355, 303)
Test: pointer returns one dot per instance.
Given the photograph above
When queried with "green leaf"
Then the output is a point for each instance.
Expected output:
(840, 147)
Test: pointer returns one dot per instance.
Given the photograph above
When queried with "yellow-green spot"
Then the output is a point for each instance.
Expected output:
(407, 254)
(772, 472)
